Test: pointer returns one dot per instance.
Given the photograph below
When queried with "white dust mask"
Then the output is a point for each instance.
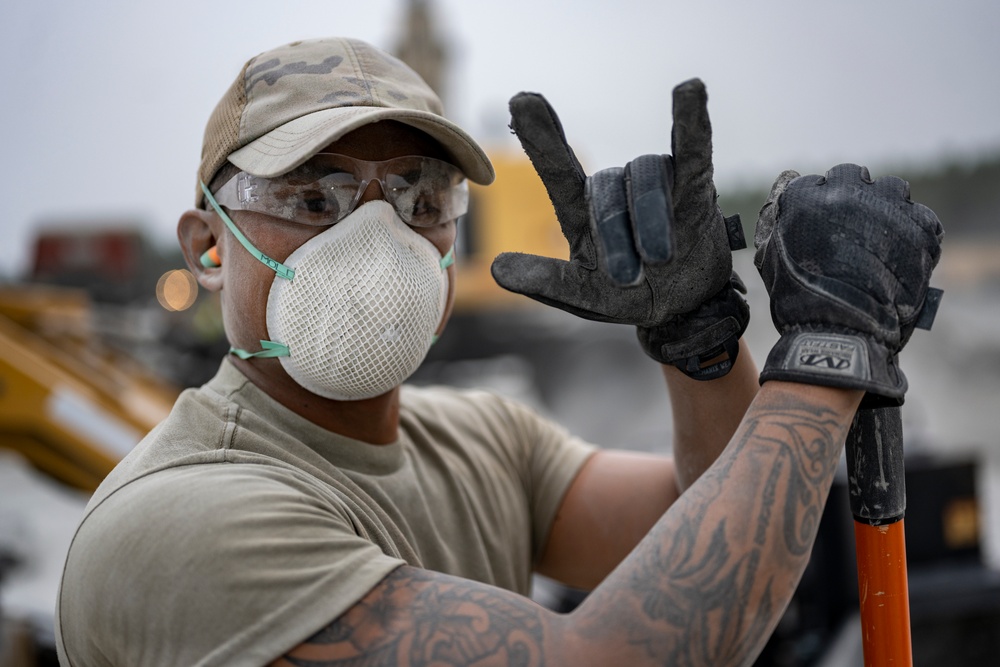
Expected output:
(352, 312)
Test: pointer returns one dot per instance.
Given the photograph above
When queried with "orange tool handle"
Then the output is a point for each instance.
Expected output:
(883, 597)
(877, 487)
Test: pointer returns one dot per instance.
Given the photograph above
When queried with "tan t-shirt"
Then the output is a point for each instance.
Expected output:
(236, 529)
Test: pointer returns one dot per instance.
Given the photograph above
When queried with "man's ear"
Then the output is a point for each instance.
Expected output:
(197, 236)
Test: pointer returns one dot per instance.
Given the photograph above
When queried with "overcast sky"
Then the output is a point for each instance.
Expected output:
(105, 101)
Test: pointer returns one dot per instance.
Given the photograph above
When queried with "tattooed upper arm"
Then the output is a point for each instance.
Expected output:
(417, 617)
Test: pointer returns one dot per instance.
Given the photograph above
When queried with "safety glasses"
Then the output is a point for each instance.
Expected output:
(425, 192)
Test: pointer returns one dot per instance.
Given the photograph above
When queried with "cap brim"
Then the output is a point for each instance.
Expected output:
(286, 147)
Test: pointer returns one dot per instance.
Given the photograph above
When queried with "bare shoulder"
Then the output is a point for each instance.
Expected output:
(418, 617)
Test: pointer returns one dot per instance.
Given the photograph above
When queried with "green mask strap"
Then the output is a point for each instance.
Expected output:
(446, 261)
(273, 264)
(270, 349)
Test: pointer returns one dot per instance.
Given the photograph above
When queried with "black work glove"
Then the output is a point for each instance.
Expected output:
(664, 246)
(846, 261)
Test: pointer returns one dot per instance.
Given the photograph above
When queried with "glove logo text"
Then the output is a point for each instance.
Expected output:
(832, 354)
(833, 363)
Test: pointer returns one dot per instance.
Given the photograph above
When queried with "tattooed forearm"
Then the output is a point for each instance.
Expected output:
(712, 578)
(419, 618)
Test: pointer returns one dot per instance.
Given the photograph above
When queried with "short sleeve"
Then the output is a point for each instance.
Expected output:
(539, 457)
(224, 564)
(554, 458)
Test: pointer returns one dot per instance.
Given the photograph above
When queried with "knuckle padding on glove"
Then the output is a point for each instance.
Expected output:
(647, 182)
(606, 197)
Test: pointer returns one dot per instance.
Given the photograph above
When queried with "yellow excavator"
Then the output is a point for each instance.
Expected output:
(512, 214)
(69, 404)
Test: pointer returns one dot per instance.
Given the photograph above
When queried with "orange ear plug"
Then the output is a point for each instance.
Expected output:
(210, 258)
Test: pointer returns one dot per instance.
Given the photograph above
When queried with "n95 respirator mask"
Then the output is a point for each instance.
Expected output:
(353, 311)
(361, 312)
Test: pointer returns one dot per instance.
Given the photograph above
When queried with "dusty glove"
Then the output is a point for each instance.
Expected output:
(648, 244)
(846, 262)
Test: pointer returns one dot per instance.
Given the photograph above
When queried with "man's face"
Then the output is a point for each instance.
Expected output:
(247, 281)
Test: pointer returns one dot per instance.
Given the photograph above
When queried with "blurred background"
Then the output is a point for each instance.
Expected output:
(101, 326)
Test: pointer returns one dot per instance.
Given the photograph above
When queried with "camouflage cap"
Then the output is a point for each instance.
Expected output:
(290, 102)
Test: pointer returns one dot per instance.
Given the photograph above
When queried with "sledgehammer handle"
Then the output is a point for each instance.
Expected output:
(877, 489)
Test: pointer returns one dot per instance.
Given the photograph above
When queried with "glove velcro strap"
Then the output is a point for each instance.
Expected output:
(693, 368)
(845, 360)
(687, 341)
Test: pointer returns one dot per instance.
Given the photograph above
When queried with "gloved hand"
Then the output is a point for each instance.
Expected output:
(664, 246)
(846, 262)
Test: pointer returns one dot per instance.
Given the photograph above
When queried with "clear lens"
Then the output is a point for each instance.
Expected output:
(424, 191)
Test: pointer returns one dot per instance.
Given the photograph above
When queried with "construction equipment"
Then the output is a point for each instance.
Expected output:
(70, 404)
(512, 214)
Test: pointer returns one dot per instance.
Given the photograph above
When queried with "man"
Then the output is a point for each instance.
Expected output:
(304, 509)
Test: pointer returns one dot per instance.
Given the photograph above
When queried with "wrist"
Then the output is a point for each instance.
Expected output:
(839, 399)
(706, 414)
(843, 359)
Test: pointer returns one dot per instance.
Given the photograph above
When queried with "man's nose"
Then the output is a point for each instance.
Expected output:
(372, 192)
